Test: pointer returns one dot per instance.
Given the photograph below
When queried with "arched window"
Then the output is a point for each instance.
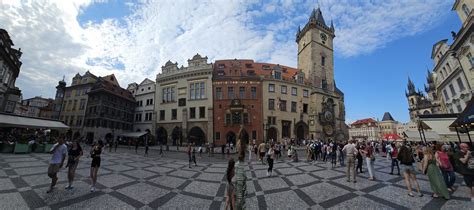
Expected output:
(466, 10)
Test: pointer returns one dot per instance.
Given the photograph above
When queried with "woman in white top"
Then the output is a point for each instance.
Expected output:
(271, 153)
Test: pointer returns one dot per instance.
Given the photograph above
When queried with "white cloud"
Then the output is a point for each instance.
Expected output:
(135, 47)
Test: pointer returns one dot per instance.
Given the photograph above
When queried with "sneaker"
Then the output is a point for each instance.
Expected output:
(355, 181)
(92, 189)
(69, 188)
(411, 195)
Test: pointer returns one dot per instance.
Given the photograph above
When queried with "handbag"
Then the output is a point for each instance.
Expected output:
(470, 163)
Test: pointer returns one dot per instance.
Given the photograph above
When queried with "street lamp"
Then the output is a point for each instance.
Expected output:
(265, 134)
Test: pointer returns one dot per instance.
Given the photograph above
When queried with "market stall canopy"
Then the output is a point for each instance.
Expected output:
(415, 136)
(133, 134)
(391, 136)
(466, 117)
(8, 120)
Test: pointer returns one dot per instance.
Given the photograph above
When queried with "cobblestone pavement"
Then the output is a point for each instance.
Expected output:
(128, 181)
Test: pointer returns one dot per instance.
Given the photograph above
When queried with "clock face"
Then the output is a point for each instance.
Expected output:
(324, 37)
(328, 116)
(328, 130)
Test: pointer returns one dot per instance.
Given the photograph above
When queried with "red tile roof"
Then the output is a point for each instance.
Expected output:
(364, 121)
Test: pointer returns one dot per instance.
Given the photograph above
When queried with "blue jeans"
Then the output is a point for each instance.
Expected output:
(395, 163)
(449, 178)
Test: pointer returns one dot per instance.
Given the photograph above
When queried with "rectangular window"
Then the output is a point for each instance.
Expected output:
(277, 75)
(236, 118)
(228, 119)
(284, 89)
(246, 118)
(271, 88)
(305, 108)
(271, 104)
(182, 102)
(460, 84)
(173, 96)
(174, 114)
(191, 92)
(254, 134)
(323, 60)
(202, 112)
(82, 104)
(283, 105)
(140, 103)
(294, 91)
(218, 135)
(203, 90)
(471, 59)
(219, 93)
(305, 93)
(293, 106)
(445, 94)
(230, 92)
(451, 87)
(192, 113)
(271, 120)
(74, 105)
(242, 92)
(253, 91)
(162, 114)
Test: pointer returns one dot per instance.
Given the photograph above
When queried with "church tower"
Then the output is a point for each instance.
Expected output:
(58, 99)
(315, 51)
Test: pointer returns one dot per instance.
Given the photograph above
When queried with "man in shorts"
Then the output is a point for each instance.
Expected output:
(59, 151)
(461, 163)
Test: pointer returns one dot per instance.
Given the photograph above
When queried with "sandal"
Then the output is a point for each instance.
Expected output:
(411, 195)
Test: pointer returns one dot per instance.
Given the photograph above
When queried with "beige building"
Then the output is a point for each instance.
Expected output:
(184, 102)
(388, 125)
(316, 60)
(10, 65)
(144, 94)
(75, 99)
(286, 102)
(403, 127)
(365, 130)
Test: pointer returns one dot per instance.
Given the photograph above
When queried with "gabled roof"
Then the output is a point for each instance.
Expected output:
(146, 81)
(387, 117)
(364, 121)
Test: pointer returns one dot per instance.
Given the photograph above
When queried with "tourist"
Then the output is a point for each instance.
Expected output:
(446, 167)
(194, 155)
(146, 144)
(271, 156)
(393, 152)
(250, 150)
(435, 178)
(277, 150)
(370, 159)
(117, 143)
(74, 153)
(59, 151)
(262, 150)
(351, 152)
(161, 149)
(333, 154)
(95, 155)
(464, 162)
(136, 146)
(359, 159)
(405, 156)
(190, 157)
(240, 183)
(230, 189)
(255, 149)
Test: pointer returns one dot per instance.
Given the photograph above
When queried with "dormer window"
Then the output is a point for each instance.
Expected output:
(277, 75)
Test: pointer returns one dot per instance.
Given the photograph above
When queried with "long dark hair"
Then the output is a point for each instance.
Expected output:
(230, 169)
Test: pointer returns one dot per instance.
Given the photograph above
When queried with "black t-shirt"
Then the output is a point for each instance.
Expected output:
(96, 152)
(73, 153)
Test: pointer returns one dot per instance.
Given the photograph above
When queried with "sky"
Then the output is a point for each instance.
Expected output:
(378, 44)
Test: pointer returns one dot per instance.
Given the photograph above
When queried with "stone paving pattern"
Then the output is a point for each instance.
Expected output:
(130, 181)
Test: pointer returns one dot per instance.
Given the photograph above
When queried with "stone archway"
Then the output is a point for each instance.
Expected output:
(197, 136)
(301, 130)
(162, 135)
(272, 133)
(230, 137)
(176, 135)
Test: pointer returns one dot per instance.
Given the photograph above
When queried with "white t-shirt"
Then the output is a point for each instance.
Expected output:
(58, 154)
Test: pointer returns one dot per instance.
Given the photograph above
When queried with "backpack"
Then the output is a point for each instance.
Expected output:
(444, 161)
(405, 156)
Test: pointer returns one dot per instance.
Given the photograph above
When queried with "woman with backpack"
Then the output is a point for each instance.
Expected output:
(405, 156)
(446, 167)
(435, 178)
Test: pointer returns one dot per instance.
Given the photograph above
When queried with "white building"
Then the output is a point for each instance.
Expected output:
(144, 94)
(365, 130)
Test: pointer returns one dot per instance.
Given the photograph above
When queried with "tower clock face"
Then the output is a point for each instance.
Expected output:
(324, 37)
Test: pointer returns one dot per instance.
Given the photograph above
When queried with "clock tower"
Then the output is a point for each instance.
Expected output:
(315, 51)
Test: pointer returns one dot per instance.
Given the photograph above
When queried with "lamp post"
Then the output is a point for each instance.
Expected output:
(265, 134)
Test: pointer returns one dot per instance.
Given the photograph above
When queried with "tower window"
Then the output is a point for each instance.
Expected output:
(465, 9)
(323, 60)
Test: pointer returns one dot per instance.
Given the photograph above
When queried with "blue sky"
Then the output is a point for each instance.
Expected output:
(378, 44)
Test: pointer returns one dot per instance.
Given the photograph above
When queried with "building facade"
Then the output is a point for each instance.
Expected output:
(402, 127)
(144, 94)
(10, 65)
(388, 125)
(35, 105)
(75, 100)
(109, 111)
(237, 90)
(184, 108)
(365, 130)
(450, 84)
(316, 61)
